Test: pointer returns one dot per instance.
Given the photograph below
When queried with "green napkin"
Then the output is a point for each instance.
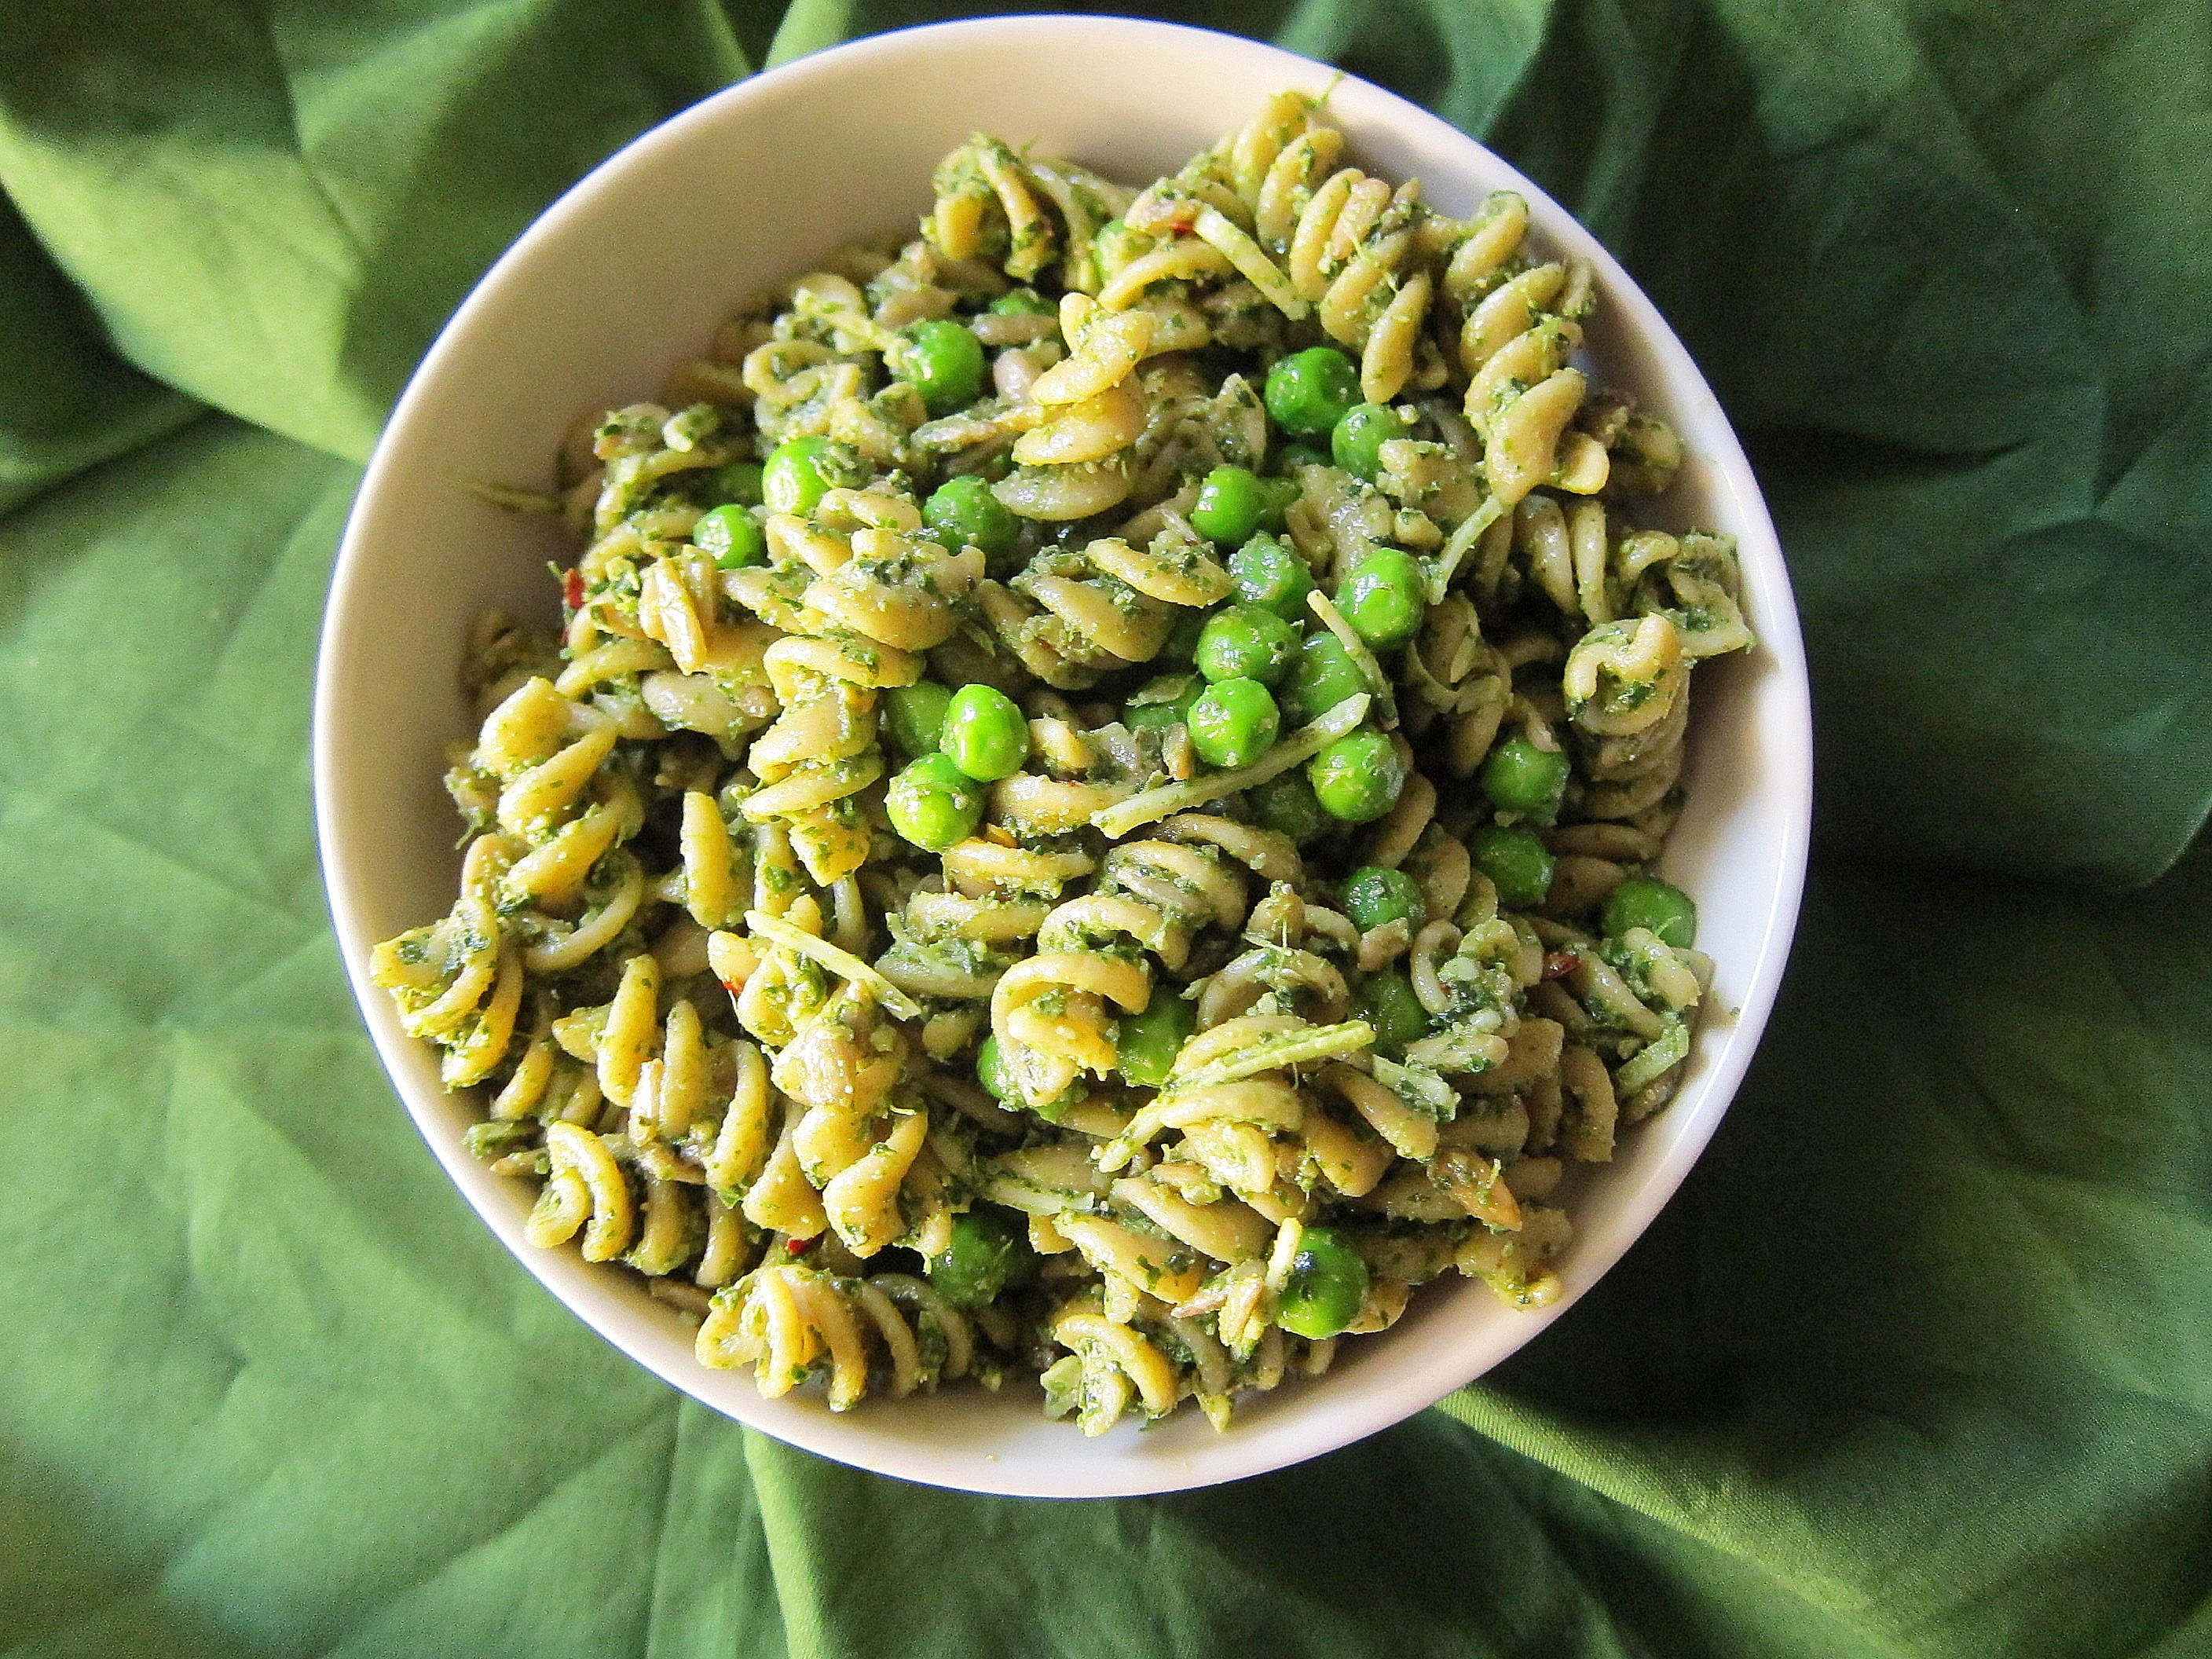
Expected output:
(1916, 1364)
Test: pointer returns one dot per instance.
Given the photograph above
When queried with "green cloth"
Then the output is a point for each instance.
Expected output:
(1917, 1363)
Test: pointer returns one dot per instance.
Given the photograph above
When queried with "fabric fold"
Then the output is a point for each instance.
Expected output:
(1914, 1367)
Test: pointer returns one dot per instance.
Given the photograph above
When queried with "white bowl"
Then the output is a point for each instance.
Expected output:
(629, 271)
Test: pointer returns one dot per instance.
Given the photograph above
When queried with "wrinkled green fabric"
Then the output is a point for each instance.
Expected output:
(1916, 1364)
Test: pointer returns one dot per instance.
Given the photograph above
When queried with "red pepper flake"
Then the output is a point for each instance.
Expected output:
(801, 1246)
(572, 589)
(1560, 963)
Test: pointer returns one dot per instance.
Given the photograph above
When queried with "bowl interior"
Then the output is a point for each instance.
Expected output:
(629, 273)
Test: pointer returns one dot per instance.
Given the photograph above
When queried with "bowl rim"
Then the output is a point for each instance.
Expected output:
(1359, 1412)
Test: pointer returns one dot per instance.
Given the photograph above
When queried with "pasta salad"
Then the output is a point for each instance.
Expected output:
(1091, 813)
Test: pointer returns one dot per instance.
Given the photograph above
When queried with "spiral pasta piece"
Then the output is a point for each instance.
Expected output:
(1023, 214)
(648, 647)
(1070, 617)
(861, 595)
(1623, 1009)
(1519, 323)
(822, 371)
(1624, 682)
(1523, 394)
(1694, 580)
(548, 888)
(854, 1143)
(1594, 569)
(585, 1190)
(1160, 891)
(1644, 453)
(1082, 417)
(1230, 1098)
(1352, 253)
(1051, 1014)
(851, 1156)
(1460, 687)
(635, 452)
(459, 983)
(957, 937)
(1627, 689)
(790, 1321)
(694, 1106)
(1110, 1366)
(800, 387)
(1268, 206)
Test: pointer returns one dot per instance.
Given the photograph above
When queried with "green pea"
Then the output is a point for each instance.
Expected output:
(1386, 1001)
(991, 1072)
(1647, 901)
(1165, 700)
(934, 804)
(1383, 597)
(1232, 504)
(1245, 642)
(1234, 723)
(1286, 804)
(985, 734)
(1272, 576)
(1373, 896)
(1358, 777)
(1326, 1288)
(738, 482)
(1357, 440)
(989, 1251)
(1310, 392)
(1113, 245)
(1323, 677)
(914, 714)
(963, 512)
(1147, 1043)
(1518, 865)
(796, 475)
(1520, 778)
(1295, 456)
(1022, 302)
(944, 363)
(730, 536)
